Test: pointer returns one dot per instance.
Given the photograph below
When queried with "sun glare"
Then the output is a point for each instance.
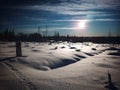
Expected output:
(82, 24)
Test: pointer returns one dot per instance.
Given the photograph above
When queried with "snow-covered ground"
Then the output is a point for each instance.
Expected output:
(64, 66)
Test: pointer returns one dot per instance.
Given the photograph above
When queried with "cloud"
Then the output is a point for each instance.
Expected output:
(83, 9)
(74, 7)
(70, 7)
(34, 18)
(107, 20)
(88, 20)
(82, 4)
(64, 9)
(61, 28)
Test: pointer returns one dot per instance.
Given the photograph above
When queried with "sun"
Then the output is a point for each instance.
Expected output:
(82, 24)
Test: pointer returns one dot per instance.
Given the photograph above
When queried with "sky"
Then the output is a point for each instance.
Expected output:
(73, 17)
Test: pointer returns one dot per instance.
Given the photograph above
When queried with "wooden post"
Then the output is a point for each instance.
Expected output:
(109, 79)
(18, 49)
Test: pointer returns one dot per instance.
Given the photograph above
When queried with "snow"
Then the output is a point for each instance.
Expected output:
(64, 66)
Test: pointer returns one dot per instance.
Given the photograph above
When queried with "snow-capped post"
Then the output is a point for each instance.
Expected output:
(18, 49)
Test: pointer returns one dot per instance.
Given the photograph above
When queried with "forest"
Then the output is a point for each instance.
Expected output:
(10, 35)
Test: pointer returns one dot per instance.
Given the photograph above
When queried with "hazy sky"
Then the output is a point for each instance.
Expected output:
(100, 16)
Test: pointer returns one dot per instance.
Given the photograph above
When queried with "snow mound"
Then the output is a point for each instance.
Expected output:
(89, 54)
(117, 53)
(104, 65)
(40, 67)
(26, 45)
(80, 56)
(78, 50)
(12, 46)
(35, 50)
(42, 56)
(112, 48)
(46, 65)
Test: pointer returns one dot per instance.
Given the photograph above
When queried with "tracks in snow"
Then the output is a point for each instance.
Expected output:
(22, 78)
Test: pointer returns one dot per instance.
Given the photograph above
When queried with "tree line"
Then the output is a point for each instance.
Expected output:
(10, 35)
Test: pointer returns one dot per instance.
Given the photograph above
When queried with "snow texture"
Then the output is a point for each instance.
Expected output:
(64, 66)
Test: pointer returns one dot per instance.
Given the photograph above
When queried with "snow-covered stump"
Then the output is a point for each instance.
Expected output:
(18, 49)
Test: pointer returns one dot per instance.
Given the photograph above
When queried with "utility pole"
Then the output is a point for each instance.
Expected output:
(109, 37)
(38, 33)
(39, 29)
(46, 31)
(109, 34)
